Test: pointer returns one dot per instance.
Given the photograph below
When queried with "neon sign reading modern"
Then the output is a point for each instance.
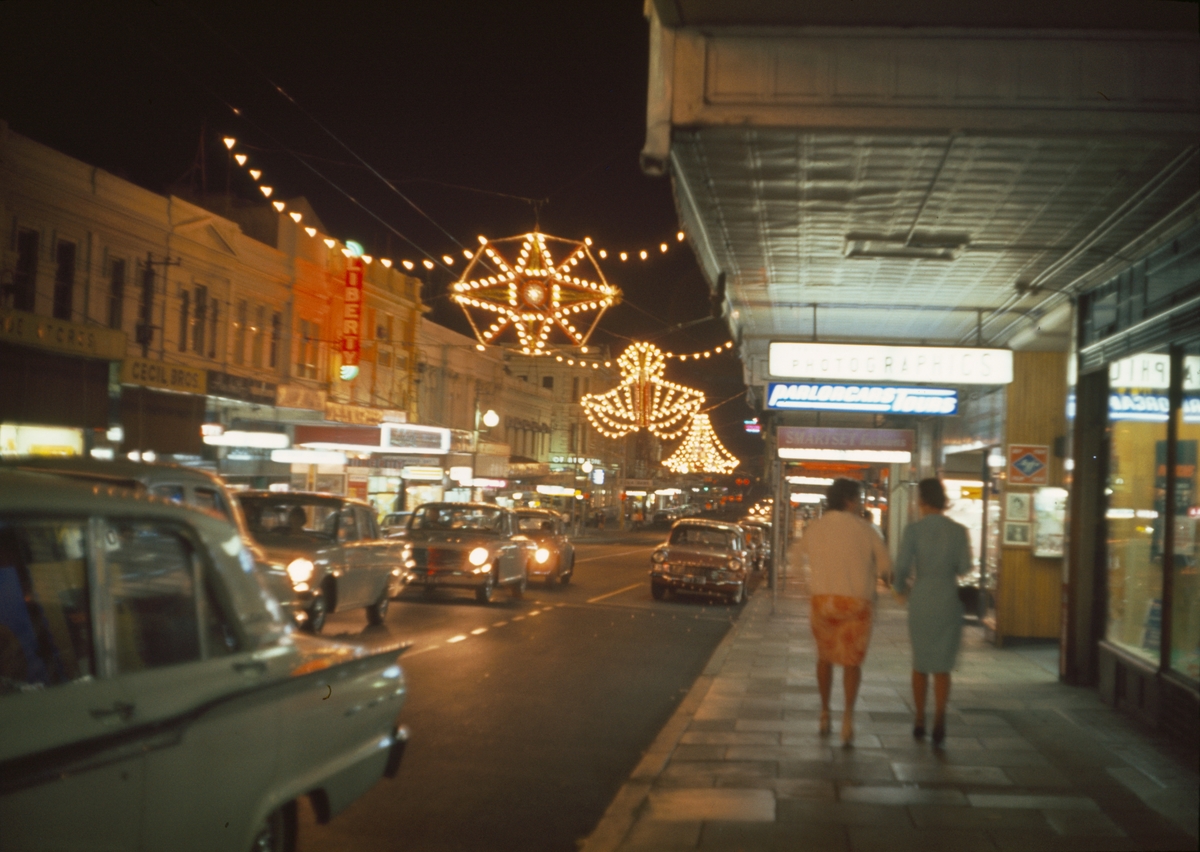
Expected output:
(877, 399)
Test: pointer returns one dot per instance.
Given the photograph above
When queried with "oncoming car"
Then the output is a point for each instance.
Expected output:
(325, 554)
(152, 695)
(554, 559)
(701, 557)
(474, 546)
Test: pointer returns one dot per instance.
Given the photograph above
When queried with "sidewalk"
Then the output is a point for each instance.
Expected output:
(1028, 763)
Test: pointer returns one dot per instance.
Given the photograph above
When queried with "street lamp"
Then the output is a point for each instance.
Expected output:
(491, 419)
(586, 467)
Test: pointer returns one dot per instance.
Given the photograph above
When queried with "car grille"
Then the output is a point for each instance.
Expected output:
(438, 558)
(706, 571)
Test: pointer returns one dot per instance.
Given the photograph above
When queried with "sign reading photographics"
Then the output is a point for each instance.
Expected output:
(796, 396)
(241, 388)
(1028, 464)
(937, 365)
(828, 444)
(352, 312)
(157, 374)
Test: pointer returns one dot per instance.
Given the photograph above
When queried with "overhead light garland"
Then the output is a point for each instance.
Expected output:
(644, 399)
(701, 451)
(515, 283)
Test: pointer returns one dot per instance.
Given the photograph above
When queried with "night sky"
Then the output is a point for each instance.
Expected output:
(460, 105)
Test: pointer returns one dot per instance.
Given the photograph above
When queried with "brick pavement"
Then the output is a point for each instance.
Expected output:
(1028, 764)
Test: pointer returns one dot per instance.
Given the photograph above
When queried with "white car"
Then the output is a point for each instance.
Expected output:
(152, 695)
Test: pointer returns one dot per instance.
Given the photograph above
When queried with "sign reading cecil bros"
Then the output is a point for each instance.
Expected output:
(157, 374)
(940, 365)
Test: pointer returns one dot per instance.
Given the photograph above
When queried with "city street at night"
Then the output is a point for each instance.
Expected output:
(527, 715)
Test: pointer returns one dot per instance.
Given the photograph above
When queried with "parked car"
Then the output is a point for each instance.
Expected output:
(764, 527)
(475, 546)
(554, 559)
(701, 557)
(394, 524)
(152, 694)
(326, 554)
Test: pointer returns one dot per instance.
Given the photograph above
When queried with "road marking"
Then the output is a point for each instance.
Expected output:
(478, 630)
(500, 624)
(617, 592)
(457, 638)
(536, 612)
(518, 618)
(614, 555)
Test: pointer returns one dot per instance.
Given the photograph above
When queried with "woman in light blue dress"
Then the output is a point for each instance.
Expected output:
(937, 551)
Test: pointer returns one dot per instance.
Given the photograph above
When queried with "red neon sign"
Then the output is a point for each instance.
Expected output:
(352, 318)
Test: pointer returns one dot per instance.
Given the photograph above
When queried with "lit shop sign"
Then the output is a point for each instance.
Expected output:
(814, 443)
(1153, 372)
(934, 365)
(875, 399)
(556, 491)
(352, 318)
(410, 438)
(1123, 405)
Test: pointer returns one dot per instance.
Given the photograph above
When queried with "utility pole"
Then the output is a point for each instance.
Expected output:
(145, 327)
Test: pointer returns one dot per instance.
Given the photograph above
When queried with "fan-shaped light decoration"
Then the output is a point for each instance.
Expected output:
(516, 282)
(701, 451)
(643, 399)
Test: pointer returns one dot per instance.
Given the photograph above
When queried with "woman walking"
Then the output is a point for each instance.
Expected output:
(940, 552)
(845, 555)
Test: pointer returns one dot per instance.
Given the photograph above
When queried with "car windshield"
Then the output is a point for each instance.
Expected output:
(535, 523)
(457, 517)
(395, 519)
(283, 517)
(708, 537)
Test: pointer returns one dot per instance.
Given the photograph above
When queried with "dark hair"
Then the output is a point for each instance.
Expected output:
(842, 492)
(932, 493)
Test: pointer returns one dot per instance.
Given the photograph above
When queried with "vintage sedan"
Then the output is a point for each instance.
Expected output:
(763, 540)
(152, 694)
(756, 545)
(554, 559)
(325, 554)
(701, 557)
(475, 546)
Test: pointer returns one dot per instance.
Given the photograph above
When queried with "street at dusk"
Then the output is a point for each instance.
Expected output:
(604, 426)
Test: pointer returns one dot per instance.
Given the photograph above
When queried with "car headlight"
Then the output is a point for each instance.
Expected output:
(478, 556)
(542, 555)
(735, 565)
(300, 570)
(657, 556)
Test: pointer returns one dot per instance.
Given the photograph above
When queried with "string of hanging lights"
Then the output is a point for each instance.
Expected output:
(448, 259)
(644, 399)
(701, 451)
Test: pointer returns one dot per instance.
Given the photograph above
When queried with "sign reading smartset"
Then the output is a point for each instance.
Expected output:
(936, 365)
(797, 396)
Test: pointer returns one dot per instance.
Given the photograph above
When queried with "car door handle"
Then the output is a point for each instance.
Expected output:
(121, 709)
(250, 667)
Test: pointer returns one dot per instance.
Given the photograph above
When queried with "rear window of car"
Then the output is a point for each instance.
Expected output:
(708, 537)
(275, 518)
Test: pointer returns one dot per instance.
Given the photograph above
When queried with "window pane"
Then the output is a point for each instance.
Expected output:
(45, 620)
(174, 493)
(1185, 597)
(153, 591)
(1136, 477)
(210, 499)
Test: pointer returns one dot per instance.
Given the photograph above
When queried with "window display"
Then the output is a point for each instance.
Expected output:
(1185, 594)
(1049, 518)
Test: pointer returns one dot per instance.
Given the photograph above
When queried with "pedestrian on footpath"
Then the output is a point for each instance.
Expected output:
(938, 551)
(845, 555)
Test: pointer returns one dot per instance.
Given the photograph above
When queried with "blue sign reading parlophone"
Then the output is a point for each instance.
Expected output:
(874, 399)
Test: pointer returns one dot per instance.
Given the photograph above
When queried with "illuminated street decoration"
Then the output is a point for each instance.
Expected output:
(644, 399)
(515, 283)
(352, 319)
(701, 451)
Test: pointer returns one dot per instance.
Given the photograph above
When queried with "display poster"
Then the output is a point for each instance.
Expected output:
(1049, 521)
(1028, 464)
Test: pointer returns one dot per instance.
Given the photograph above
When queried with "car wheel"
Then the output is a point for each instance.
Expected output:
(317, 611)
(278, 831)
(377, 611)
(658, 591)
(484, 593)
(517, 590)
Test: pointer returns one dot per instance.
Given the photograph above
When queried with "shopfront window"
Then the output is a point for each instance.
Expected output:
(1185, 596)
(1138, 412)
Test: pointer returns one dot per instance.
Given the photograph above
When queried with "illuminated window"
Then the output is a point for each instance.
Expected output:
(200, 319)
(256, 335)
(239, 333)
(276, 337)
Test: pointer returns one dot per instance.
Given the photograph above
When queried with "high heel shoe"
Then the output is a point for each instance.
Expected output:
(825, 726)
(847, 730)
(919, 730)
(939, 733)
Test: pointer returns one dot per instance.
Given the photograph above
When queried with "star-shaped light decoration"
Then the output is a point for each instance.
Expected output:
(531, 293)
(644, 399)
(701, 451)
